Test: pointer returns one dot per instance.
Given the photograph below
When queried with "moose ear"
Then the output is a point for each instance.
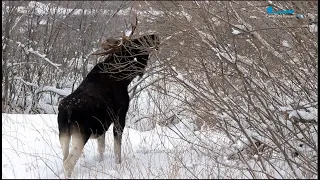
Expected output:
(155, 40)
(110, 43)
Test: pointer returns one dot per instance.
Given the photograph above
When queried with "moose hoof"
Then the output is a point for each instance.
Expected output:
(100, 158)
(118, 160)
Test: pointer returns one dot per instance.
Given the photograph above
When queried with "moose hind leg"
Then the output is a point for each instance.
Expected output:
(77, 145)
(101, 145)
(64, 139)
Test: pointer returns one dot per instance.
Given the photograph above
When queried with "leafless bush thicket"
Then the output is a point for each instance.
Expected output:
(249, 75)
(46, 46)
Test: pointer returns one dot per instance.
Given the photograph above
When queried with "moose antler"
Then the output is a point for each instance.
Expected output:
(110, 51)
(112, 45)
(133, 26)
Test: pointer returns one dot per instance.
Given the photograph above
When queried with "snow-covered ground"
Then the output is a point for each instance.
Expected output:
(31, 149)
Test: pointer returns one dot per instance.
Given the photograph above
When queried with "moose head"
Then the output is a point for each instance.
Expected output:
(128, 56)
(126, 44)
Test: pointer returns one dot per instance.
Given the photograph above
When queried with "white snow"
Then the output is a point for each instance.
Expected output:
(128, 32)
(43, 56)
(285, 108)
(254, 17)
(25, 82)
(311, 115)
(37, 53)
(240, 26)
(239, 145)
(234, 31)
(43, 22)
(185, 14)
(285, 43)
(312, 16)
(307, 113)
(31, 149)
(313, 28)
(43, 9)
(215, 21)
(40, 8)
(58, 91)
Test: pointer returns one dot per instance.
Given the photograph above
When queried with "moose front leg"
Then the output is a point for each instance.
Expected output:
(101, 145)
(117, 133)
(121, 108)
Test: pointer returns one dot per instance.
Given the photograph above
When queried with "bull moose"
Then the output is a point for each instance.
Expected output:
(102, 97)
